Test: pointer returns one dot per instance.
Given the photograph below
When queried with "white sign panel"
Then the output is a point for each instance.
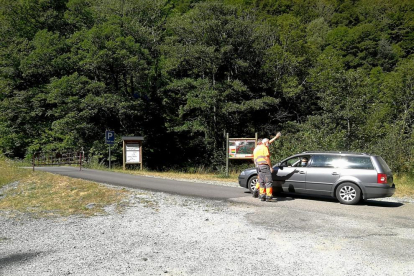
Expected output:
(132, 153)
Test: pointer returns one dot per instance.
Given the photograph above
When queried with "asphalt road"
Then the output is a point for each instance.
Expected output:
(149, 183)
(372, 209)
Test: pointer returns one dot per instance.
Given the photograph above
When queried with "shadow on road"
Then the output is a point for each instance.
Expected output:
(277, 197)
(291, 196)
(16, 258)
(377, 203)
(370, 202)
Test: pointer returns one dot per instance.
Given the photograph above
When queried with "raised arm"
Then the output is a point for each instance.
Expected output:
(276, 137)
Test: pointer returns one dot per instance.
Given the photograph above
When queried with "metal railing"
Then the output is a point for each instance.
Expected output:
(57, 158)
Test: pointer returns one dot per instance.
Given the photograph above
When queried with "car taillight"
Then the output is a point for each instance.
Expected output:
(382, 178)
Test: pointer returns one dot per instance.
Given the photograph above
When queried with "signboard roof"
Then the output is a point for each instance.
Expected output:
(132, 138)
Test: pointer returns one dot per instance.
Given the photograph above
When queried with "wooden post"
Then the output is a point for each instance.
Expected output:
(255, 135)
(140, 153)
(227, 154)
(109, 156)
(123, 154)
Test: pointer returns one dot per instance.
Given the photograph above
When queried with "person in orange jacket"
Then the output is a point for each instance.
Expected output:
(265, 189)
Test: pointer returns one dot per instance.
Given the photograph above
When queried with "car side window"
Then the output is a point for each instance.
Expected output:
(295, 161)
(325, 161)
(292, 162)
(357, 162)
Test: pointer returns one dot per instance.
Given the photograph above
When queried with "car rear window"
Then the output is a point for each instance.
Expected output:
(383, 164)
(357, 162)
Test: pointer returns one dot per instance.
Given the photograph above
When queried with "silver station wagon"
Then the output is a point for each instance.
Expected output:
(346, 176)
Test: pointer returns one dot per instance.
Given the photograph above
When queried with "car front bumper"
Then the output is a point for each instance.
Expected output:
(243, 181)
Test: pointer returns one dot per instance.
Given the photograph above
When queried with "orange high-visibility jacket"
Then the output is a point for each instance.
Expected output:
(260, 153)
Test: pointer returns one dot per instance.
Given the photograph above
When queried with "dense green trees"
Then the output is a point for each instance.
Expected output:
(332, 75)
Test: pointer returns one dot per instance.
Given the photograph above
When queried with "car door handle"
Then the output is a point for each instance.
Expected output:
(302, 172)
(335, 173)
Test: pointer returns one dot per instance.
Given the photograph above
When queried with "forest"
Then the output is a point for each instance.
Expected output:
(329, 74)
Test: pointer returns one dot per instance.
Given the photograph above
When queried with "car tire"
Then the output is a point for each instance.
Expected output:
(251, 183)
(348, 193)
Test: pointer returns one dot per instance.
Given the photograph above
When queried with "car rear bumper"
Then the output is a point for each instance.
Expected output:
(379, 190)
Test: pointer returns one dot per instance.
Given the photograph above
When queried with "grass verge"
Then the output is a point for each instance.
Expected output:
(10, 172)
(44, 194)
(404, 184)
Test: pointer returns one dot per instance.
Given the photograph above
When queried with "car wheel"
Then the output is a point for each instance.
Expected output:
(251, 184)
(348, 193)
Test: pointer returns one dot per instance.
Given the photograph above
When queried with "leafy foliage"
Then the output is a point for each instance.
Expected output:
(331, 75)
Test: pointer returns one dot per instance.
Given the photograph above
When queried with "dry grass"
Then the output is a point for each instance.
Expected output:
(45, 194)
(404, 185)
(10, 172)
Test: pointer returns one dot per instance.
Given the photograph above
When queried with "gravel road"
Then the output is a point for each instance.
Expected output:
(162, 234)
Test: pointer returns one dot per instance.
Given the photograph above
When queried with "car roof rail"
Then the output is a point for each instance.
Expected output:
(335, 152)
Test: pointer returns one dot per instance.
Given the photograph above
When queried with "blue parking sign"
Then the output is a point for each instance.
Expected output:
(110, 137)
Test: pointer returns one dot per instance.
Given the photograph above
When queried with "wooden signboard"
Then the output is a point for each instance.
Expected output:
(132, 150)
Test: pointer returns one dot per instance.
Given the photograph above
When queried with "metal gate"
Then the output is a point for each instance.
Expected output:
(57, 158)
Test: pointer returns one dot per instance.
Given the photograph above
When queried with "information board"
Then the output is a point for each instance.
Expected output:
(241, 148)
(132, 153)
